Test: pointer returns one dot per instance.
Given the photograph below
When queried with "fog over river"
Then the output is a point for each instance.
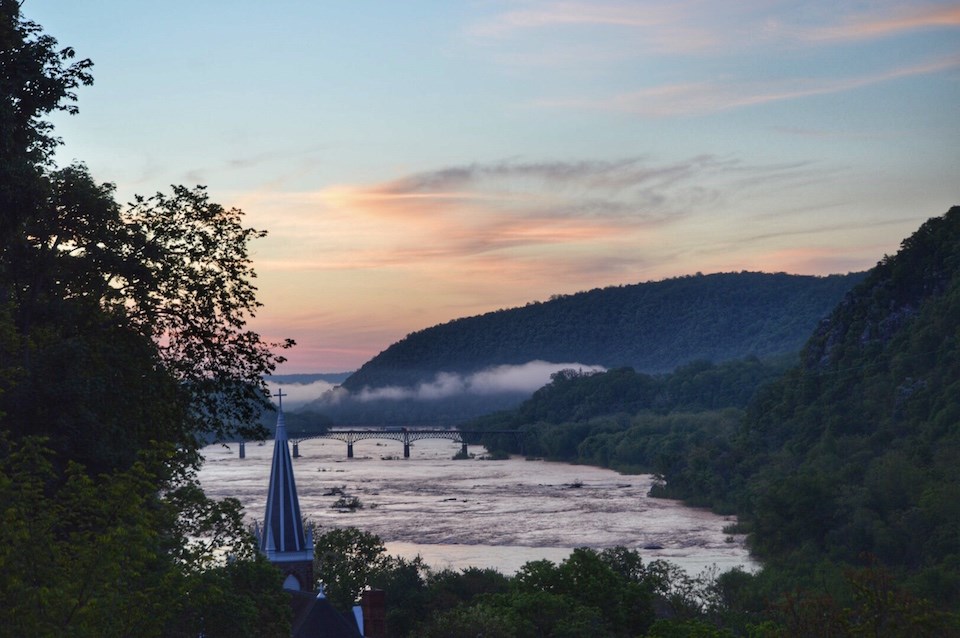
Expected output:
(475, 512)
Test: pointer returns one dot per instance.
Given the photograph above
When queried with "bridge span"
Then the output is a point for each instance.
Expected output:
(402, 435)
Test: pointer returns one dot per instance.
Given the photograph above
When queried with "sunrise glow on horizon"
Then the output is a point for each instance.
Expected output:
(422, 161)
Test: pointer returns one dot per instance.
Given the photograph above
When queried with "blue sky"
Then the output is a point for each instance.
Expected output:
(415, 162)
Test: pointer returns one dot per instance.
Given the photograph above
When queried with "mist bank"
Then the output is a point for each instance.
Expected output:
(446, 399)
(301, 389)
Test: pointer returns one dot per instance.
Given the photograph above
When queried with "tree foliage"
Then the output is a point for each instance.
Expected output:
(346, 562)
(857, 449)
(36, 78)
(613, 592)
(116, 556)
(173, 270)
(191, 291)
(123, 346)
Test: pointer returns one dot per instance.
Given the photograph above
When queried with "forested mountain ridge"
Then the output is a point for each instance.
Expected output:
(862, 440)
(652, 327)
(849, 459)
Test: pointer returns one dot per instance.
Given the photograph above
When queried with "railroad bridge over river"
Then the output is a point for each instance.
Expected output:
(402, 435)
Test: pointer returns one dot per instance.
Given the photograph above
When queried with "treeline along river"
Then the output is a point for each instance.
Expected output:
(482, 513)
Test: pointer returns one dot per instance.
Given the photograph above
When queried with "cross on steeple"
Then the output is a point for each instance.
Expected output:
(279, 396)
(283, 539)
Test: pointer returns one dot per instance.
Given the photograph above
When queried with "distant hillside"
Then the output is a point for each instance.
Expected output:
(651, 327)
(849, 459)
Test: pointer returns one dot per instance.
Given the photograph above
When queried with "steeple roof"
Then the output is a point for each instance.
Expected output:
(282, 537)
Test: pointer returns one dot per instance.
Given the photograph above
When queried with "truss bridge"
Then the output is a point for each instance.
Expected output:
(406, 436)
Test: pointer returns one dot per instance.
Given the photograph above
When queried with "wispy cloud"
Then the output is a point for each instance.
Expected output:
(478, 208)
(678, 27)
(544, 33)
(524, 187)
(548, 14)
(894, 21)
(831, 229)
(825, 133)
(701, 98)
(514, 211)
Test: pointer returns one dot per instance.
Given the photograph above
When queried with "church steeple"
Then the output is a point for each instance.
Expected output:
(282, 538)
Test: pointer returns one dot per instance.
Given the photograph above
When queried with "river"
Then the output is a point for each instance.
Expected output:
(480, 513)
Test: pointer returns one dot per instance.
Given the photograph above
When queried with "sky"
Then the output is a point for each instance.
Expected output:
(415, 162)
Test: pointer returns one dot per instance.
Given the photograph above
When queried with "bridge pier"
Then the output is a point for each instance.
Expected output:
(296, 449)
(463, 450)
(349, 450)
(243, 449)
(406, 450)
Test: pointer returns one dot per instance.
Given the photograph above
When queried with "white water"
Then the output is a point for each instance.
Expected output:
(498, 514)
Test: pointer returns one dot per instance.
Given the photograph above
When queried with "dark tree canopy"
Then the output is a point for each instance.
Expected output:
(190, 289)
(172, 270)
(36, 78)
(123, 347)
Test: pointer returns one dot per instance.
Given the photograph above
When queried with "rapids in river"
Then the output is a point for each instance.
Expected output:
(480, 513)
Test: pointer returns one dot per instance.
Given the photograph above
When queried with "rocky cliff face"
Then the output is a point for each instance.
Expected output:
(878, 309)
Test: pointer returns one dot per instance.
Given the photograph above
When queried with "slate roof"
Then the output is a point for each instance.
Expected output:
(316, 618)
(282, 525)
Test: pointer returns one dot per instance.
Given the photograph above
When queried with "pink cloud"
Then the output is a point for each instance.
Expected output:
(698, 28)
(902, 20)
(701, 98)
(574, 13)
(475, 209)
(666, 26)
(518, 215)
